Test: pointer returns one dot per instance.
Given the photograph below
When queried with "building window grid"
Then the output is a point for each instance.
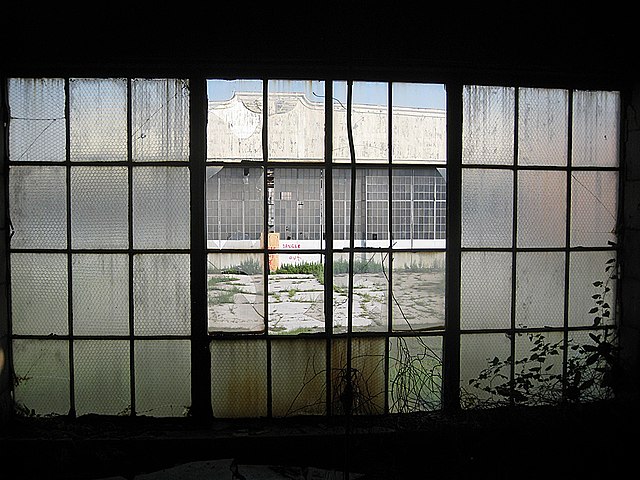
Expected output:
(437, 210)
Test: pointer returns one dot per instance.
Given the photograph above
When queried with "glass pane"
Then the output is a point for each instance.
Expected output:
(163, 377)
(594, 208)
(367, 375)
(99, 207)
(487, 208)
(538, 369)
(485, 290)
(37, 127)
(299, 377)
(542, 126)
(418, 290)
(488, 124)
(370, 292)
(100, 294)
(369, 121)
(98, 119)
(484, 370)
(296, 294)
(540, 289)
(587, 379)
(235, 207)
(239, 378)
(102, 377)
(419, 199)
(236, 292)
(415, 374)
(592, 285)
(41, 376)
(161, 293)
(39, 294)
(161, 207)
(296, 120)
(234, 124)
(419, 123)
(38, 207)
(297, 207)
(542, 201)
(596, 128)
(160, 119)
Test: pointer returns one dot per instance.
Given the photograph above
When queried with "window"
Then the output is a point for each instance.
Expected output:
(324, 210)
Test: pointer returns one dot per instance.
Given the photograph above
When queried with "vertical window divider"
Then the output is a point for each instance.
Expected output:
(390, 246)
(567, 250)
(328, 238)
(72, 398)
(132, 370)
(514, 243)
(265, 237)
(348, 394)
(451, 347)
(201, 380)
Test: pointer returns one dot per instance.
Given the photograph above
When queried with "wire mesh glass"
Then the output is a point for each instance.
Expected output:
(41, 382)
(39, 294)
(299, 373)
(161, 294)
(596, 128)
(592, 288)
(102, 377)
(594, 208)
(163, 377)
(160, 119)
(99, 207)
(239, 378)
(98, 119)
(38, 206)
(37, 127)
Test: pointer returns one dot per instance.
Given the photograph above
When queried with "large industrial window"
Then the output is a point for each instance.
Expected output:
(324, 215)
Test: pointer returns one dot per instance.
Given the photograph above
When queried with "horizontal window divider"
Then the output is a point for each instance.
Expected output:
(540, 249)
(586, 168)
(509, 331)
(77, 251)
(99, 337)
(99, 163)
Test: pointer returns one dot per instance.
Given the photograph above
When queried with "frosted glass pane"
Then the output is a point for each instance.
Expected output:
(369, 120)
(543, 126)
(102, 377)
(299, 377)
(98, 119)
(488, 124)
(296, 294)
(37, 127)
(487, 208)
(418, 290)
(296, 120)
(415, 374)
(545, 388)
(39, 294)
(163, 377)
(477, 352)
(234, 120)
(42, 376)
(540, 289)
(38, 207)
(585, 269)
(239, 378)
(370, 292)
(596, 128)
(235, 207)
(367, 373)
(542, 201)
(419, 121)
(235, 287)
(99, 207)
(419, 209)
(162, 296)
(599, 390)
(100, 294)
(594, 208)
(161, 207)
(160, 119)
(485, 290)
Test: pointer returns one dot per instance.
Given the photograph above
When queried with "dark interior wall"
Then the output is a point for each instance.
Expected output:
(559, 46)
